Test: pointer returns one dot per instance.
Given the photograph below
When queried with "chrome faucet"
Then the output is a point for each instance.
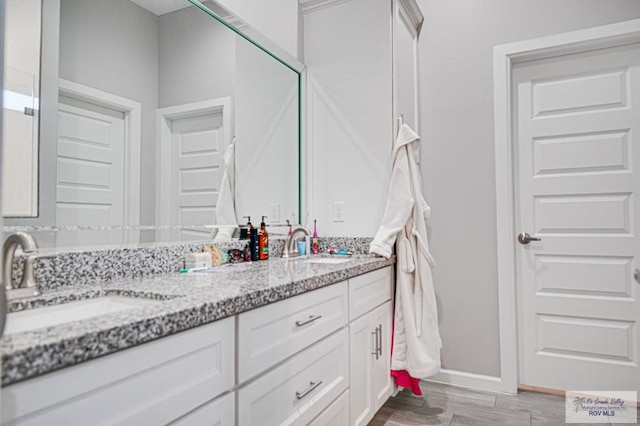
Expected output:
(290, 249)
(27, 286)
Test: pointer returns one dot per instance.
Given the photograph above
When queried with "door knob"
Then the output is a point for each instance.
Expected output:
(524, 238)
(636, 275)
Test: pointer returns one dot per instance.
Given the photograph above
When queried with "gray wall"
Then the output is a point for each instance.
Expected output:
(205, 70)
(266, 117)
(456, 91)
(113, 46)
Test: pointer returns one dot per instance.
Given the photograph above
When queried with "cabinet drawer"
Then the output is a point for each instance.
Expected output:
(272, 333)
(220, 412)
(299, 389)
(151, 384)
(337, 414)
(368, 291)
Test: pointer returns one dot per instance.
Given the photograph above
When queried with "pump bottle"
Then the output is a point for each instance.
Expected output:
(263, 241)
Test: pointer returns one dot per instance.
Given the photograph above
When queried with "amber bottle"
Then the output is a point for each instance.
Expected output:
(263, 241)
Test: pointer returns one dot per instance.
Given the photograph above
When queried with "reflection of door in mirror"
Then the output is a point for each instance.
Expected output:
(20, 108)
(90, 164)
(193, 138)
(98, 151)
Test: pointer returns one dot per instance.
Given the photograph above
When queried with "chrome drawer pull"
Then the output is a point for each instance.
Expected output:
(310, 389)
(312, 318)
(375, 350)
(379, 331)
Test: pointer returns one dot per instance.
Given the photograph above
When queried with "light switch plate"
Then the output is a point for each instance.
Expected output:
(274, 214)
(338, 211)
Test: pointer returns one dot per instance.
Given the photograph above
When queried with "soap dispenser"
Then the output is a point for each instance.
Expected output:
(245, 233)
(253, 245)
(263, 241)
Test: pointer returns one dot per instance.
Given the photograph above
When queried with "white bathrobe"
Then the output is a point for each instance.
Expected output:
(417, 342)
(225, 205)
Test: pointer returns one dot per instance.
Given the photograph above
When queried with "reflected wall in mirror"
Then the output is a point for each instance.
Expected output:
(150, 94)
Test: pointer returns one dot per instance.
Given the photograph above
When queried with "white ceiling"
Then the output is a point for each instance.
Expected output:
(160, 7)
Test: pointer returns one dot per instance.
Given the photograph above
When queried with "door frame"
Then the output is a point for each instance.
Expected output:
(132, 112)
(504, 57)
(165, 116)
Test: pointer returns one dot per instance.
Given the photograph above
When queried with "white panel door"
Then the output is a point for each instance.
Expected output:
(196, 172)
(90, 171)
(577, 120)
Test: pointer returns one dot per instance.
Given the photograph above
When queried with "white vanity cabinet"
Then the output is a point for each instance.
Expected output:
(301, 388)
(336, 414)
(150, 384)
(219, 412)
(333, 346)
(319, 358)
(308, 333)
(370, 345)
(273, 333)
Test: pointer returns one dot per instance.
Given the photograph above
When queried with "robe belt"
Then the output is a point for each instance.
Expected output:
(418, 300)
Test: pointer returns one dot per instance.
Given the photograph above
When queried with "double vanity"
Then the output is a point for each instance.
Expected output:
(283, 341)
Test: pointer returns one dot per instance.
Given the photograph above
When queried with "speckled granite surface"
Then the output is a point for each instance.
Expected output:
(102, 265)
(183, 301)
(356, 245)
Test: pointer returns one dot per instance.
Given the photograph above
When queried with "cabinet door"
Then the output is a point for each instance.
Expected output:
(368, 291)
(382, 383)
(220, 412)
(362, 347)
(275, 332)
(150, 384)
(337, 414)
(300, 389)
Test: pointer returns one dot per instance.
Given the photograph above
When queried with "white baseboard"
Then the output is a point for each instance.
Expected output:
(471, 381)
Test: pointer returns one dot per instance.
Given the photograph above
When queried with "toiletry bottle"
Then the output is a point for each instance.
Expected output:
(263, 241)
(245, 233)
(315, 238)
(253, 245)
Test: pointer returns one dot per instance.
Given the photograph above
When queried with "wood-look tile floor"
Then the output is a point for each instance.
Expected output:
(453, 406)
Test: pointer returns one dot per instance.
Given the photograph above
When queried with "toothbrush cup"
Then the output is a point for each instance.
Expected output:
(302, 248)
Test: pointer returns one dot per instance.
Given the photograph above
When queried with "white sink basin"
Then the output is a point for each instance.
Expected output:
(32, 319)
(330, 260)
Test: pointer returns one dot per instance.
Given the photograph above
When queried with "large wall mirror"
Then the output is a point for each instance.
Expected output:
(126, 119)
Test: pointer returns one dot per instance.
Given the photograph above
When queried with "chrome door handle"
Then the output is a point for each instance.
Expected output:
(379, 331)
(636, 275)
(525, 238)
(307, 391)
(311, 319)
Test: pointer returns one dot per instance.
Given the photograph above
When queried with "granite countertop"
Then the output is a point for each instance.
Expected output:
(183, 301)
